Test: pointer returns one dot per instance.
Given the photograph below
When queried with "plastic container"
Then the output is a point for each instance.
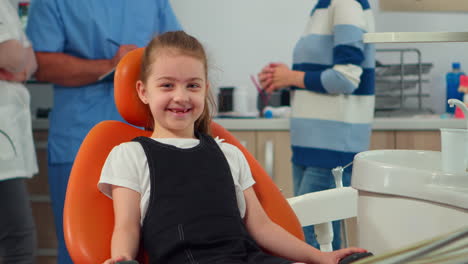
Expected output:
(276, 112)
(453, 81)
(23, 8)
(454, 143)
(226, 99)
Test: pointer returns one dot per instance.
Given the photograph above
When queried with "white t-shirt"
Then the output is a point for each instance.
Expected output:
(17, 152)
(127, 166)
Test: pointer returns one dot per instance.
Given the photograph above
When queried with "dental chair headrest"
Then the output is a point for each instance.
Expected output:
(126, 98)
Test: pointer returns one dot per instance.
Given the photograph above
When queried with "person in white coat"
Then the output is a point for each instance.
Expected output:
(17, 154)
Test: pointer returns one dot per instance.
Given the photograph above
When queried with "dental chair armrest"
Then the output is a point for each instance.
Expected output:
(325, 206)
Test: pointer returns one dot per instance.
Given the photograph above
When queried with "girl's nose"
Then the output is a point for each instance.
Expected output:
(181, 95)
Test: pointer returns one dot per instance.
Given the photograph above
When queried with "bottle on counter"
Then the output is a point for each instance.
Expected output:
(23, 8)
(453, 81)
(276, 112)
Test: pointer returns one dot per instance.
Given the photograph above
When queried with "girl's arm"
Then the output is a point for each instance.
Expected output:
(126, 234)
(275, 239)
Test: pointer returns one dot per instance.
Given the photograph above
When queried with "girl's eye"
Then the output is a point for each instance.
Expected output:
(167, 85)
(193, 85)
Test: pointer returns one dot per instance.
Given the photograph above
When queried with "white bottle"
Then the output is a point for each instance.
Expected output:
(275, 112)
(240, 101)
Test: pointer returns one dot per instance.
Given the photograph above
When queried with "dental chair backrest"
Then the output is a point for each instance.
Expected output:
(88, 215)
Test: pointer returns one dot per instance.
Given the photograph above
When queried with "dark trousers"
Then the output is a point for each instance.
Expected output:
(17, 229)
(58, 181)
(313, 179)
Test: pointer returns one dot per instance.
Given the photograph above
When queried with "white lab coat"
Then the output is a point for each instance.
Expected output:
(17, 153)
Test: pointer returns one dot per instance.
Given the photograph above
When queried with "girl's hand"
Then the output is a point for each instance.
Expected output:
(115, 260)
(335, 256)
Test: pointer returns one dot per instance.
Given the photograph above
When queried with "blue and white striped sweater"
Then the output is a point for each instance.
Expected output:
(331, 118)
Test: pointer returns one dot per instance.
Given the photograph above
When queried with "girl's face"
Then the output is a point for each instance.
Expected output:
(175, 91)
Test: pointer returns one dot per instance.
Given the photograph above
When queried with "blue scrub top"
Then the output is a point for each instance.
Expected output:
(82, 28)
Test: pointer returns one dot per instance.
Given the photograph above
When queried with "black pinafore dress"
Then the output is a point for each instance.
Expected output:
(193, 216)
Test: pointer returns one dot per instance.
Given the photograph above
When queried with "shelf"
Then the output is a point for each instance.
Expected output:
(409, 37)
(404, 95)
(405, 69)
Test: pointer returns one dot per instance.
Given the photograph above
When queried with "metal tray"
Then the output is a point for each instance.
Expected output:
(387, 85)
(396, 69)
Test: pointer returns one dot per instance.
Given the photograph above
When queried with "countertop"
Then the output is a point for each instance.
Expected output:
(421, 122)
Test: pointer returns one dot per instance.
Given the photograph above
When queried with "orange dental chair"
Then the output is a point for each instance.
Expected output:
(88, 214)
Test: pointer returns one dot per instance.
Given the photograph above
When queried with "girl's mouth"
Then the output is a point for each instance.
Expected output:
(179, 111)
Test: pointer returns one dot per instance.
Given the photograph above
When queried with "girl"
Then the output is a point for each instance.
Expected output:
(190, 195)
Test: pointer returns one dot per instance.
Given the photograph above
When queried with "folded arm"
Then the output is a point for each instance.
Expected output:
(17, 63)
(68, 70)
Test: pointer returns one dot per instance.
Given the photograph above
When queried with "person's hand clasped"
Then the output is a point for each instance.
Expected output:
(275, 76)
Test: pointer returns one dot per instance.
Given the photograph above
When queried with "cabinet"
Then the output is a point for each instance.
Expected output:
(421, 140)
(382, 140)
(423, 5)
(273, 150)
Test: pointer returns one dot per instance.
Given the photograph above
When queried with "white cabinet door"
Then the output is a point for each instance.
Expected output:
(274, 153)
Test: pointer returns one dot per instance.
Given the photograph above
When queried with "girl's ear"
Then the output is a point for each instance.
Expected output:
(140, 87)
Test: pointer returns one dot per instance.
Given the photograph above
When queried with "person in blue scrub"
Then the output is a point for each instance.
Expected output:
(75, 43)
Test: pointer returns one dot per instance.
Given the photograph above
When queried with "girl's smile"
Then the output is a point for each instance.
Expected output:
(179, 112)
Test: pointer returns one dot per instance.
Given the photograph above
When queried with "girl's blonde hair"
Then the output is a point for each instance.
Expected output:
(179, 42)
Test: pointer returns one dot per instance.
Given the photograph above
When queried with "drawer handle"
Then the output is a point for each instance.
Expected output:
(269, 158)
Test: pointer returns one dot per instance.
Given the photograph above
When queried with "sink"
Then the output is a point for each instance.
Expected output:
(411, 173)
(404, 197)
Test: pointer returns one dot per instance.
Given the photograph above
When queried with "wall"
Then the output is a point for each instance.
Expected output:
(242, 36)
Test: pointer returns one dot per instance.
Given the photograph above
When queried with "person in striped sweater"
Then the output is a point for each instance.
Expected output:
(332, 82)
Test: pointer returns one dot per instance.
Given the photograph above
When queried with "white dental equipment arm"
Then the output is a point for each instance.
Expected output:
(334, 204)
(320, 208)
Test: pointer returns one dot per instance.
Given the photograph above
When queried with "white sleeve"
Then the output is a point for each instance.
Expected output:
(240, 169)
(125, 167)
(5, 27)
(246, 179)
